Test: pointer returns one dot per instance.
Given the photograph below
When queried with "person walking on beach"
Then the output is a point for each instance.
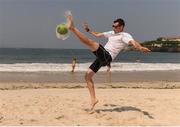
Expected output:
(73, 64)
(117, 40)
(109, 67)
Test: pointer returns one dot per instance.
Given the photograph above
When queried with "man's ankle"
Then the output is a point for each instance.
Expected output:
(72, 29)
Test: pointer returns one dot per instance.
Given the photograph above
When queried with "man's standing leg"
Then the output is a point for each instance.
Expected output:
(90, 84)
(93, 46)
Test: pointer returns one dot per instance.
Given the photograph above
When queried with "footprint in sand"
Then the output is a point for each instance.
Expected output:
(59, 117)
(112, 105)
(1, 118)
(21, 121)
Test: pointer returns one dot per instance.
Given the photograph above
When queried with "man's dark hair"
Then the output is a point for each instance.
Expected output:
(120, 21)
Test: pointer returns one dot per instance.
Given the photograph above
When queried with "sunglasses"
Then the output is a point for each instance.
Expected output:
(114, 26)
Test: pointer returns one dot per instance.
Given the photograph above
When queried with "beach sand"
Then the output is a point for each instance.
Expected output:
(69, 106)
(125, 98)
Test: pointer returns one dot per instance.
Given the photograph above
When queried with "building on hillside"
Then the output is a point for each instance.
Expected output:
(164, 44)
(175, 38)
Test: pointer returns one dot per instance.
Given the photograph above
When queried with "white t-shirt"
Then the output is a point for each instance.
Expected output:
(116, 42)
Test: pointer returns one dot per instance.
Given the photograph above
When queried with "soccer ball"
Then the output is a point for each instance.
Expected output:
(61, 29)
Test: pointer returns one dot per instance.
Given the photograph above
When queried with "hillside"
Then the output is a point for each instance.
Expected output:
(163, 45)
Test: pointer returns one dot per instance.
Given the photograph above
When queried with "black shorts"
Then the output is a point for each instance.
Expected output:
(103, 58)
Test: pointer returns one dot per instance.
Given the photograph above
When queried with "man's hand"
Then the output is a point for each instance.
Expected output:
(86, 27)
(139, 47)
(94, 33)
(144, 49)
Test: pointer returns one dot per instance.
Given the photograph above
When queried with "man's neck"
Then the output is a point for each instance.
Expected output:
(118, 32)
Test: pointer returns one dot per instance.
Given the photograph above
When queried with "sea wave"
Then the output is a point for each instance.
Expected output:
(51, 67)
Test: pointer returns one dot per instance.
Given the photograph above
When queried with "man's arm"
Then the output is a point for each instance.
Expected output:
(138, 46)
(94, 33)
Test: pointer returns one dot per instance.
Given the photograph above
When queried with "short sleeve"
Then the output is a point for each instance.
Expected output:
(107, 34)
(126, 38)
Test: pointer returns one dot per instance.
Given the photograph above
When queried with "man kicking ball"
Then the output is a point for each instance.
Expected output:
(117, 41)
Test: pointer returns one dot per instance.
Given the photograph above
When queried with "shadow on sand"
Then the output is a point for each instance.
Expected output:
(116, 108)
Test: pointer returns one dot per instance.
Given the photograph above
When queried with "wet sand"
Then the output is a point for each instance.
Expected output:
(100, 77)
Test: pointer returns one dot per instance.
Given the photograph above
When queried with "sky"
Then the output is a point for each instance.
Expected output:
(32, 23)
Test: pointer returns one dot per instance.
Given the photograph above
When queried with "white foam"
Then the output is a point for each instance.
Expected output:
(51, 67)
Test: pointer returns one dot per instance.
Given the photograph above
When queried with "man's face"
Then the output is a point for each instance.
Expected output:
(117, 28)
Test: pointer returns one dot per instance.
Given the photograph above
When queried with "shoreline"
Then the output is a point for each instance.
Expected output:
(117, 85)
(100, 77)
(42, 80)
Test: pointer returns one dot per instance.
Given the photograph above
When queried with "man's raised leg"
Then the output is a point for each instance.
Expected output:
(93, 46)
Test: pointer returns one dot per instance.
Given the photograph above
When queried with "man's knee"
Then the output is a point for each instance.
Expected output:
(88, 76)
(94, 45)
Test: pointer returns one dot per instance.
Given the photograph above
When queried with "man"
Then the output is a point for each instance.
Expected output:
(117, 40)
(109, 67)
(73, 64)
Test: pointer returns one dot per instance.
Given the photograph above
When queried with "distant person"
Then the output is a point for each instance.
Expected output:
(109, 67)
(117, 41)
(74, 61)
(138, 60)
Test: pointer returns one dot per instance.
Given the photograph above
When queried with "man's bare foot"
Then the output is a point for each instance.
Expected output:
(91, 111)
(93, 104)
(70, 23)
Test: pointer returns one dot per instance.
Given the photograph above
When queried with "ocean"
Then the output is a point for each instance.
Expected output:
(59, 60)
